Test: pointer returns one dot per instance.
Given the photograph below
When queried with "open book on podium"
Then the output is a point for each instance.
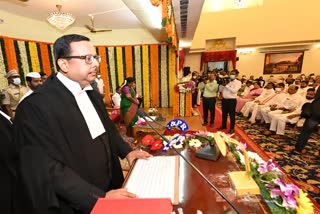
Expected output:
(156, 183)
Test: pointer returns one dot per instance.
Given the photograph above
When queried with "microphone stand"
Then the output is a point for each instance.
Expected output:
(193, 166)
(142, 114)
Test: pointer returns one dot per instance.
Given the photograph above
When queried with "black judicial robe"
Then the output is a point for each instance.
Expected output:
(7, 153)
(12, 198)
(64, 169)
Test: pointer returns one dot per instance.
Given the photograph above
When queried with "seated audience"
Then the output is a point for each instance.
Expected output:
(288, 103)
(262, 81)
(265, 103)
(245, 88)
(266, 93)
(278, 121)
(253, 93)
(290, 79)
(302, 91)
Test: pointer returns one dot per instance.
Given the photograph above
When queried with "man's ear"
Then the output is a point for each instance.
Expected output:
(63, 64)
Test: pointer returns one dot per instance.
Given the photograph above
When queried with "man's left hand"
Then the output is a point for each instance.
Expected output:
(136, 154)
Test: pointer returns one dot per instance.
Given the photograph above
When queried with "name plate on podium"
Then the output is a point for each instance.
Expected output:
(132, 206)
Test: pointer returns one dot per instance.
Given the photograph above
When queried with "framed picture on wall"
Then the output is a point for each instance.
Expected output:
(283, 62)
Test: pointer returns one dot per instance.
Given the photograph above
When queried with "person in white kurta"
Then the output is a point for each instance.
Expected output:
(278, 121)
(268, 91)
(265, 104)
(289, 102)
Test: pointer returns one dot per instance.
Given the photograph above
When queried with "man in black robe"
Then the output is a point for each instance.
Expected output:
(10, 199)
(7, 168)
(69, 146)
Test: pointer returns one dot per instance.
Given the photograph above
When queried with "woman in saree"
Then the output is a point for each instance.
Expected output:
(253, 93)
(129, 103)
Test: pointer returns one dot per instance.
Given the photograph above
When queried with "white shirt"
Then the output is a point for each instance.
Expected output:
(265, 94)
(247, 90)
(6, 116)
(100, 85)
(85, 105)
(116, 99)
(230, 91)
(303, 91)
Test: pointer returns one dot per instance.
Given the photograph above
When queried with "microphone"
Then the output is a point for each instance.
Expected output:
(142, 114)
(209, 152)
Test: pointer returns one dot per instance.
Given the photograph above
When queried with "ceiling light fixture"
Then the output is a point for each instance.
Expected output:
(60, 20)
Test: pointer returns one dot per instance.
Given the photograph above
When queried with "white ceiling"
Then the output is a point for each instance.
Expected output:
(115, 14)
(108, 14)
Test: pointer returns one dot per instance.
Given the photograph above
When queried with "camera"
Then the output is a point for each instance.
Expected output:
(223, 80)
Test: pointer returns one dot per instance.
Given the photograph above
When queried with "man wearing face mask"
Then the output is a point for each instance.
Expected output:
(12, 95)
(229, 101)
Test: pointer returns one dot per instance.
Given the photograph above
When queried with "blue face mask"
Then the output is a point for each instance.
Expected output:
(17, 81)
(232, 76)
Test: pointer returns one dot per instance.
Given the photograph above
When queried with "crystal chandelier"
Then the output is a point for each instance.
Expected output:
(59, 19)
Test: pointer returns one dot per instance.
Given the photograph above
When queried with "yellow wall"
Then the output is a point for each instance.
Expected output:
(192, 60)
(26, 28)
(276, 21)
(252, 64)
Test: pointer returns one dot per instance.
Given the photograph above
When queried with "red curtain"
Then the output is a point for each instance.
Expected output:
(219, 56)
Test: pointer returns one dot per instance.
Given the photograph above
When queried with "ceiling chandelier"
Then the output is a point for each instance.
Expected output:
(60, 20)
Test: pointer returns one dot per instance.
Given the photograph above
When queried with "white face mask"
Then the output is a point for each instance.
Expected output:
(278, 89)
(17, 81)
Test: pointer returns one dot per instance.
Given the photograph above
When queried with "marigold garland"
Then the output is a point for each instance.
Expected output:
(129, 61)
(45, 58)
(34, 56)
(153, 66)
(3, 82)
(104, 73)
(154, 61)
(120, 71)
(10, 53)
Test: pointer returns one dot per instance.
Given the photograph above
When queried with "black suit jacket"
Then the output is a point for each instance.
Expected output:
(13, 199)
(315, 106)
(7, 168)
(63, 167)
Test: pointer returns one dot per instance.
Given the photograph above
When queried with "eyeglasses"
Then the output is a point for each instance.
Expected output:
(88, 58)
